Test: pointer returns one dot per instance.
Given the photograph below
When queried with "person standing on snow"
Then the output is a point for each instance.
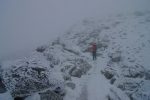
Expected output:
(94, 48)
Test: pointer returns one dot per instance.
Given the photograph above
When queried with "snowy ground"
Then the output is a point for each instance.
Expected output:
(94, 85)
(97, 86)
(127, 34)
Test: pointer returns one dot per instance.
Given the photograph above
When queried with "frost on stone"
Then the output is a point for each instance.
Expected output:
(24, 78)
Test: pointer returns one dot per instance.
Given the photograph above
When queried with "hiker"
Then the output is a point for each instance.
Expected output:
(94, 48)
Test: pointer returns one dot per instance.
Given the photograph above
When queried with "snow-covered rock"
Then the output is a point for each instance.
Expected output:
(28, 76)
(133, 71)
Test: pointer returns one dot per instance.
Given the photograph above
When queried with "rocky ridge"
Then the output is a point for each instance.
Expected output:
(120, 39)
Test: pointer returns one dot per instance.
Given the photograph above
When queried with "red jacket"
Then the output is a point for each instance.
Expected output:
(94, 47)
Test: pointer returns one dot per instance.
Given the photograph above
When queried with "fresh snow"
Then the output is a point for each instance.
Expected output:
(126, 33)
(98, 86)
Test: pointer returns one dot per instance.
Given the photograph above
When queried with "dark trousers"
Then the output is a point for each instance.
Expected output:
(94, 55)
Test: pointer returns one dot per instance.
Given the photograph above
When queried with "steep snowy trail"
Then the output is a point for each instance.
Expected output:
(97, 86)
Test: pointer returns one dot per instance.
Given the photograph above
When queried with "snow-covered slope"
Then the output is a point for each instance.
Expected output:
(123, 49)
(121, 71)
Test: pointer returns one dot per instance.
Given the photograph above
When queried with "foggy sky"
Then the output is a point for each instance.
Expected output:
(25, 24)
